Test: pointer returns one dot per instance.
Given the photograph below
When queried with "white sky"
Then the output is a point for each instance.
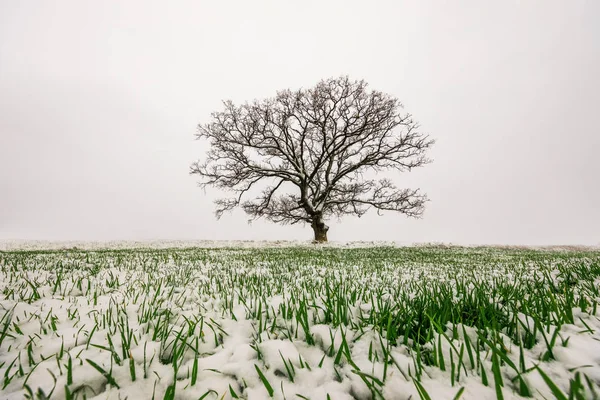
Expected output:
(99, 102)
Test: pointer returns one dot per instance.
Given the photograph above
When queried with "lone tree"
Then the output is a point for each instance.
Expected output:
(307, 151)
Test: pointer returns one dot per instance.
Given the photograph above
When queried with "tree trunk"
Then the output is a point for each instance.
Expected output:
(320, 230)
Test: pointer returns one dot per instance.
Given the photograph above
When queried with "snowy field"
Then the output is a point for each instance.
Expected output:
(293, 321)
(8, 245)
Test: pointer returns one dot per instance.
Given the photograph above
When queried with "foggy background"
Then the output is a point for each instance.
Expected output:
(99, 103)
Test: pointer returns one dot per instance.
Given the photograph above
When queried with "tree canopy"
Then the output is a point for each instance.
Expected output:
(308, 152)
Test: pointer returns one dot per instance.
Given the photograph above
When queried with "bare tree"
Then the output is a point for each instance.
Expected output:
(308, 150)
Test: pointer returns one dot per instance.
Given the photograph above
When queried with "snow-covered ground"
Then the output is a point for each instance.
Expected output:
(11, 245)
(7, 245)
(297, 322)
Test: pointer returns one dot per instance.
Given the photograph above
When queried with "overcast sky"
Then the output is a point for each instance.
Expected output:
(99, 103)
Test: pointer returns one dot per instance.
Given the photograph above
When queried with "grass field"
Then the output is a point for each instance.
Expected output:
(300, 323)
